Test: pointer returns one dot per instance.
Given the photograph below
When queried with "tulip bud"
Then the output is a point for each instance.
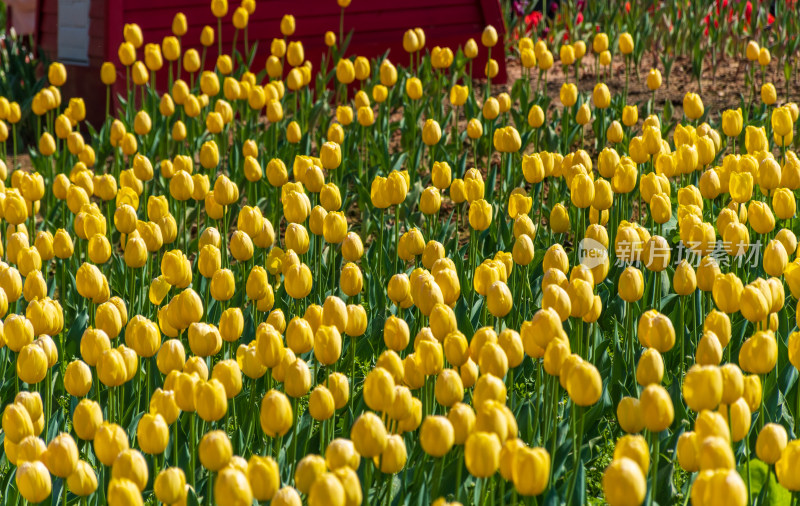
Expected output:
(482, 454)
(784, 467)
(215, 450)
(78, 378)
(33, 481)
(152, 433)
(624, 482)
(369, 435)
(276, 414)
(657, 409)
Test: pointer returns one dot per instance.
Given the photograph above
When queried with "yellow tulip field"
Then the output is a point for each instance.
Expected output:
(398, 281)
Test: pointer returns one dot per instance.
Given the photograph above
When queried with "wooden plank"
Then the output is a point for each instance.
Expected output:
(114, 22)
(365, 45)
(49, 7)
(85, 82)
(275, 9)
(452, 37)
(97, 30)
(48, 24)
(115, 11)
(492, 15)
(97, 50)
(379, 24)
(48, 41)
(98, 9)
(406, 18)
(367, 25)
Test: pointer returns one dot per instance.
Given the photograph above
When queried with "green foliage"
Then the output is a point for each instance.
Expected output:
(21, 78)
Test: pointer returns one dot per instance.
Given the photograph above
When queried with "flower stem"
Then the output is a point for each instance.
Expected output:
(654, 467)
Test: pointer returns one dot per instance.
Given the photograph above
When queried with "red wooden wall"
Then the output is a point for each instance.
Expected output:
(82, 81)
(378, 26)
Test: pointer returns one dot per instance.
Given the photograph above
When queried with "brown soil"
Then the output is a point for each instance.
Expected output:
(720, 91)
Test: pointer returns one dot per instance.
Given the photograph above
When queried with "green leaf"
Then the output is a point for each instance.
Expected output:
(579, 491)
(759, 472)
(191, 498)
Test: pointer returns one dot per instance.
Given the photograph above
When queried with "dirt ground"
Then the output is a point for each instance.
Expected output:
(722, 90)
